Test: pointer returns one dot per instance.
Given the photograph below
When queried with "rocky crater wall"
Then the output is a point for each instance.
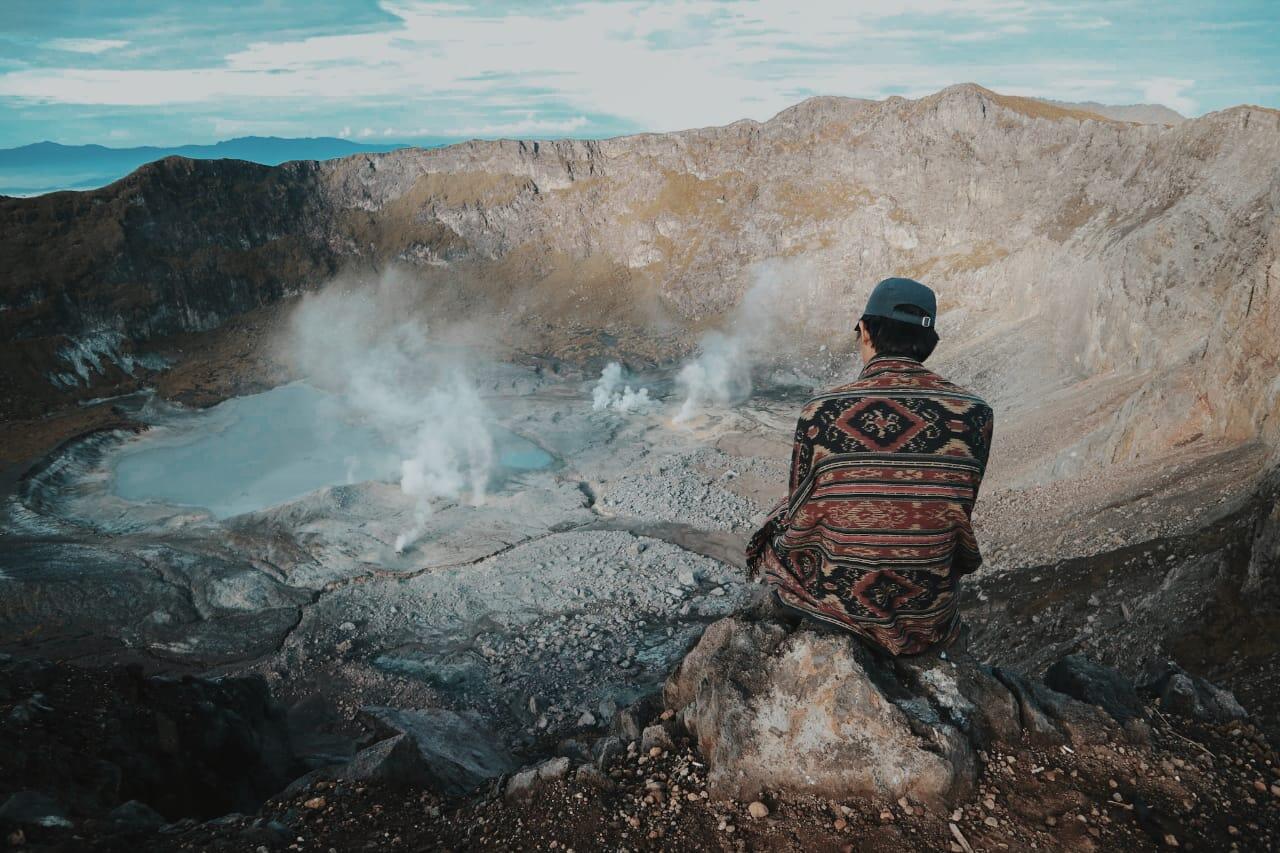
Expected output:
(1066, 247)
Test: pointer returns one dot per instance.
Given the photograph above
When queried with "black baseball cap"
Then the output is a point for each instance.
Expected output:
(890, 295)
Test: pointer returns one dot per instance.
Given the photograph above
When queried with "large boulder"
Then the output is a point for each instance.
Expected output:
(1083, 679)
(458, 752)
(817, 712)
(394, 761)
(1189, 695)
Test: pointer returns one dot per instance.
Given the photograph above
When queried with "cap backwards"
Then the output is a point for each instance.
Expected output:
(892, 293)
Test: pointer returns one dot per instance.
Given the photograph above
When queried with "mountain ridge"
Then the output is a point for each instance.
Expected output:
(1050, 234)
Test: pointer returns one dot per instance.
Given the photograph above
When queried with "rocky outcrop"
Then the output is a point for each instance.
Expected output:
(457, 753)
(804, 711)
(450, 753)
(394, 760)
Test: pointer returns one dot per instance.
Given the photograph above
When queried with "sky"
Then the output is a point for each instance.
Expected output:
(127, 72)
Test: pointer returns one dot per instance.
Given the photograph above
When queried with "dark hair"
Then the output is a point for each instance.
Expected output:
(896, 338)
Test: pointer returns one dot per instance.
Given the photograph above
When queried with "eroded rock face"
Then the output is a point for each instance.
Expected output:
(820, 713)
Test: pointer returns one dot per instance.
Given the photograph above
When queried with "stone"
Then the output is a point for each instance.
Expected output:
(817, 712)
(527, 781)
(137, 814)
(1083, 679)
(396, 759)
(967, 696)
(655, 737)
(683, 684)
(606, 750)
(553, 769)
(575, 750)
(1051, 718)
(1188, 695)
(626, 726)
(589, 774)
(803, 712)
(758, 810)
(458, 753)
(522, 783)
(33, 808)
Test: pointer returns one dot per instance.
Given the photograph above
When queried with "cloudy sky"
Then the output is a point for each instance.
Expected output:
(127, 72)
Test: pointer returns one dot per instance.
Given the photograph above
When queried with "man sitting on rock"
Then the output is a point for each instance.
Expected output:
(875, 534)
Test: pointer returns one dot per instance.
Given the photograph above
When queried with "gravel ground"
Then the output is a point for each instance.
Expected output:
(1197, 787)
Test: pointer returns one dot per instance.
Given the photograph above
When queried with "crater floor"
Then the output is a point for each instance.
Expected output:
(606, 542)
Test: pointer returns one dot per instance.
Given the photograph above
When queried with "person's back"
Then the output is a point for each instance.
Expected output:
(875, 533)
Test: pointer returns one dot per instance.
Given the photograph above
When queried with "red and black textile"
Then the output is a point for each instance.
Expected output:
(875, 533)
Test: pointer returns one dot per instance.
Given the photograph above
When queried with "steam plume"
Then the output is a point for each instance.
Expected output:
(609, 393)
(413, 390)
(720, 375)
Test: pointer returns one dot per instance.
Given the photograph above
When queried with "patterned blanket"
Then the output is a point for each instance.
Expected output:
(875, 533)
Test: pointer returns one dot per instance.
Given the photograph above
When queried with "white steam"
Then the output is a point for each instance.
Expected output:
(720, 375)
(609, 393)
(411, 389)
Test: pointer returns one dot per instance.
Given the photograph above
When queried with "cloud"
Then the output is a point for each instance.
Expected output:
(1077, 23)
(984, 34)
(575, 68)
(660, 66)
(1168, 91)
(232, 126)
(529, 126)
(93, 46)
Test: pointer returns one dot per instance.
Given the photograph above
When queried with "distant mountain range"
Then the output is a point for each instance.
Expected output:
(1138, 113)
(48, 166)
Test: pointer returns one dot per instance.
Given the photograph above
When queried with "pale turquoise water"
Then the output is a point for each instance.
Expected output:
(249, 453)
